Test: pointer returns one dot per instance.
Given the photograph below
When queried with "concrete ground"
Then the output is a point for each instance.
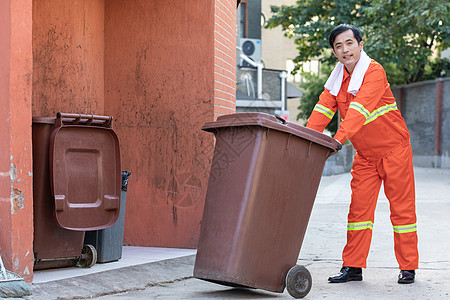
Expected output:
(153, 276)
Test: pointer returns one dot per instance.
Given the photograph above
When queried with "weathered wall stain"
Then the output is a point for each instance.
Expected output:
(184, 189)
(68, 57)
(16, 194)
(159, 87)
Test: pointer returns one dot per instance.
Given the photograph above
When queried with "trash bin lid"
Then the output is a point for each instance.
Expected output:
(271, 122)
(85, 177)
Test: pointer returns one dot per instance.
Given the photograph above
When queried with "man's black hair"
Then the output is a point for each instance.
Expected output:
(344, 27)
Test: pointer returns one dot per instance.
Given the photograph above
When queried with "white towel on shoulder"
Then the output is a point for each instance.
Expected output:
(334, 82)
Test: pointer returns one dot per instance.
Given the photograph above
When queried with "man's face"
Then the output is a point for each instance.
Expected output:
(347, 50)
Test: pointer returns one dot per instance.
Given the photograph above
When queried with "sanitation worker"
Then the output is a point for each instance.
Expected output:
(358, 87)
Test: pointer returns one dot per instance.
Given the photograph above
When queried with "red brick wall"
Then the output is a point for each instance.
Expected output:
(224, 57)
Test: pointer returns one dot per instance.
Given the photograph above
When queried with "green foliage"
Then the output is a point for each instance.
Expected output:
(309, 22)
(394, 75)
(438, 68)
(400, 34)
(404, 32)
(312, 88)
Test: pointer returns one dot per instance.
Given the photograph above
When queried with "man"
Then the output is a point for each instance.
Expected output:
(358, 87)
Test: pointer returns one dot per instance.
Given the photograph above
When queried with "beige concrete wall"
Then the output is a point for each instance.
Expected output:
(276, 48)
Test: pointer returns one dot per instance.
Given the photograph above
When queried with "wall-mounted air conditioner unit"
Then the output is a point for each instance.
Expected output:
(251, 48)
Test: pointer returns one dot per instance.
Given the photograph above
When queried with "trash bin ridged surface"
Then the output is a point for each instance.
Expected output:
(263, 181)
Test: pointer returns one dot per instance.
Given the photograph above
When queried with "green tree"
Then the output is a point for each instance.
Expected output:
(404, 32)
(400, 34)
(312, 87)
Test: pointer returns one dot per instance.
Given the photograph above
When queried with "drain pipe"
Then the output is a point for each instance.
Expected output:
(259, 79)
(259, 67)
(283, 76)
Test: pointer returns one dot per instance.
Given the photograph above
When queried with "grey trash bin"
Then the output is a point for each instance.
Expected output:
(108, 242)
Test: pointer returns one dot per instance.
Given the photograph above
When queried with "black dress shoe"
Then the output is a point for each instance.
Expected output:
(347, 274)
(406, 276)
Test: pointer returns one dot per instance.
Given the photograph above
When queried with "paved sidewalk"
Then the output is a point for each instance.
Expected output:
(320, 253)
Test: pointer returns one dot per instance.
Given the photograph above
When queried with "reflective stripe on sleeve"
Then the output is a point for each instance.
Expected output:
(324, 110)
(381, 111)
(360, 225)
(360, 108)
(405, 228)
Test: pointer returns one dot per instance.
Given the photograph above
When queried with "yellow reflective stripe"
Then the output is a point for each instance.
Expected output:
(324, 110)
(405, 228)
(381, 111)
(360, 225)
(360, 108)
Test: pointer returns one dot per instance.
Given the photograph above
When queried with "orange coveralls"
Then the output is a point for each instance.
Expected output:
(374, 125)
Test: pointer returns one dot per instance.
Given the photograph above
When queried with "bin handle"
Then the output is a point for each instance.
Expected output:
(283, 121)
(82, 119)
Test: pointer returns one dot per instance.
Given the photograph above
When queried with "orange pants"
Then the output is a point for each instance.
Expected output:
(396, 170)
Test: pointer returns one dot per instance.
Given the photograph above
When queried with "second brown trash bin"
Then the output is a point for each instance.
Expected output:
(76, 186)
(264, 178)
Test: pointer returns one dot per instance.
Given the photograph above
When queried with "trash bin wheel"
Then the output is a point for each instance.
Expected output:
(298, 281)
(88, 256)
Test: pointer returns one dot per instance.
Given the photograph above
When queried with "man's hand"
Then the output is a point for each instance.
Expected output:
(337, 147)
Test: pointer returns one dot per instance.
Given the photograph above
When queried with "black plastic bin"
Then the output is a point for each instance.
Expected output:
(108, 242)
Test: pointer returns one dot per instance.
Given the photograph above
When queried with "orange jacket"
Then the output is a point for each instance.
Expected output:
(370, 120)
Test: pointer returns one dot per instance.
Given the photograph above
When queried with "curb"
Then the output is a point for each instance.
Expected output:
(116, 281)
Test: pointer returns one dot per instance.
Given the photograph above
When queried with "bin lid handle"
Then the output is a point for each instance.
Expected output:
(282, 120)
(82, 119)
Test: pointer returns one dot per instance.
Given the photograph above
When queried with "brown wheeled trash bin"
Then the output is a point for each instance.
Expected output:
(264, 178)
(76, 186)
